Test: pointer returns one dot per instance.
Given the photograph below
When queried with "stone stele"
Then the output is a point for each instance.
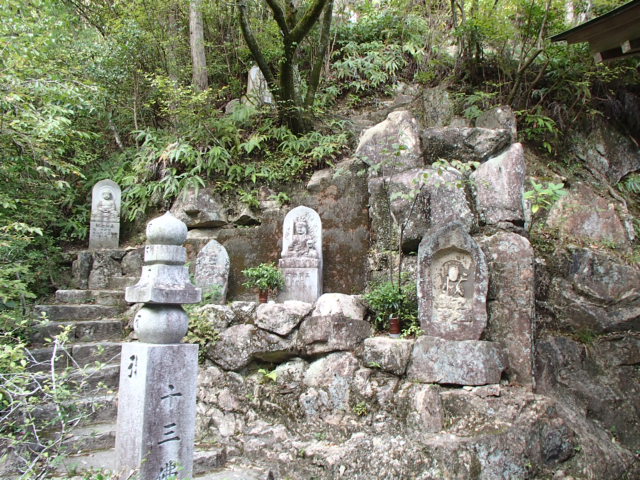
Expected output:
(452, 284)
(301, 257)
(212, 271)
(156, 413)
(104, 229)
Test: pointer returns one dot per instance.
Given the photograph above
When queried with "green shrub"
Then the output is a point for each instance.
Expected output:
(264, 277)
(387, 299)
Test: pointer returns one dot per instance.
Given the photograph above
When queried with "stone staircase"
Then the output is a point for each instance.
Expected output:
(97, 318)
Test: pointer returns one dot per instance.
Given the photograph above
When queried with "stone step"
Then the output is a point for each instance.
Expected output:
(81, 330)
(120, 283)
(204, 461)
(99, 297)
(78, 312)
(89, 438)
(87, 410)
(80, 354)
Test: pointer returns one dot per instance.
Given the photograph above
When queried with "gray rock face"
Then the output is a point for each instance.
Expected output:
(392, 145)
(332, 333)
(281, 318)
(106, 264)
(499, 187)
(338, 304)
(240, 344)
(330, 374)
(465, 144)
(511, 298)
(468, 362)
(388, 354)
(452, 284)
(437, 106)
(132, 261)
(607, 151)
(212, 271)
(501, 117)
(81, 269)
(219, 316)
(599, 294)
(201, 209)
(423, 407)
(585, 215)
(597, 378)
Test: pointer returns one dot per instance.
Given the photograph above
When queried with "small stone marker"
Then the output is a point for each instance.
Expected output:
(452, 284)
(212, 271)
(257, 89)
(301, 257)
(158, 375)
(104, 229)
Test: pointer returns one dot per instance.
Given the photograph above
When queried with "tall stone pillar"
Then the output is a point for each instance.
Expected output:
(158, 374)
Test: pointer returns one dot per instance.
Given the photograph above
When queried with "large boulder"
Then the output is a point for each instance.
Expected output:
(240, 344)
(392, 145)
(281, 318)
(501, 117)
(499, 187)
(468, 362)
(200, 208)
(511, 301)
(607, 151)
(437, 106)
(388, 354)
(464, 144)
(586, 215)
(329, 384)
(597, 294)
(419, 199)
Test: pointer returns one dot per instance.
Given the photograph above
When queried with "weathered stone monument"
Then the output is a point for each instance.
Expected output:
(104, 229)
(452, 306)
(212, 271)
(257, 89)
(157, 394)
(452, 284)
(301, 257)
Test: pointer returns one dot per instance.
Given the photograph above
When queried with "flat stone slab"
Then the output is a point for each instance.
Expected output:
(388, 354)
(78, 312)
(82, 331)
(99, 297)
(449, 362)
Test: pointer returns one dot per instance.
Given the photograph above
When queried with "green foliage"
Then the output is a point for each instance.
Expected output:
(361, 409)
(630, 184)
(201, 331)
(539, 128)
(233, 152)
(268, 375)
(387, 299)
(38, 411)
(412, 330)
(543, 196)
(264, 277)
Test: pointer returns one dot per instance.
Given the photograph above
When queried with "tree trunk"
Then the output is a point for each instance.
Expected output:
(198, 58)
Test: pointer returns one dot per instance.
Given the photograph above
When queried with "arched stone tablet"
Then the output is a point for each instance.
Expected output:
(452, 284)
(212, 272)
(301, 256)
(105, 215)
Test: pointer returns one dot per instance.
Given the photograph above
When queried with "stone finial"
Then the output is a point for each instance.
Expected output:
(166, 230)
(164, 284)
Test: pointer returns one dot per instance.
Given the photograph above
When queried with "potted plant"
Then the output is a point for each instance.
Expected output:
(394, 306)
(266, 278)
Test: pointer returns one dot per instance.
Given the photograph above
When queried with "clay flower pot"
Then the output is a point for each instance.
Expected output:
(394, 327)
(263, 296)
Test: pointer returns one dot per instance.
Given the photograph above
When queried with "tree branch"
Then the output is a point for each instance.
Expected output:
(278, 15)
(307, 21)
(314, 77)
(253, 46)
